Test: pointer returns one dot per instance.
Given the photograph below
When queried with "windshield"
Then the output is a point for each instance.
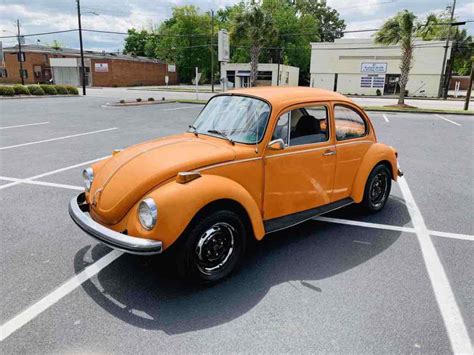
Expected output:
(236, 118)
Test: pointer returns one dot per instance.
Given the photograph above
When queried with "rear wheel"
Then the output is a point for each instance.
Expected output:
(377, 189)
(213, 247)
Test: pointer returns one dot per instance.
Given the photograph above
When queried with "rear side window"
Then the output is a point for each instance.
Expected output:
(349, 123)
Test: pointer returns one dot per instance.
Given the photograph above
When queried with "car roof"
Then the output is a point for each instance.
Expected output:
(287, 95)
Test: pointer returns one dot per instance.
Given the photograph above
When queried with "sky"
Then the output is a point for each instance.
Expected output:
(52, 15)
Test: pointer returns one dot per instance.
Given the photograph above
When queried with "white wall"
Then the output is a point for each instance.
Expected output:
(345, 58)
(287, 73)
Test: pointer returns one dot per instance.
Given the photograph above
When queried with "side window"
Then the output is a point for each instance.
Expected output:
(309, 125)
(349, 123)
(306, 125)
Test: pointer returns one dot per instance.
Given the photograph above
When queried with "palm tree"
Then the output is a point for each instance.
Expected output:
(257, 27)
(402, 29)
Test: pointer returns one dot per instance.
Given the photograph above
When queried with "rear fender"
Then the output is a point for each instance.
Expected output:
(376, 154)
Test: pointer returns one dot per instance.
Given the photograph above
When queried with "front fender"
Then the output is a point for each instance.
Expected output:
(179, 203)
(377, 153)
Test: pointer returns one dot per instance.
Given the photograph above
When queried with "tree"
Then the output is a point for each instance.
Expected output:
(257, 27)
(402, 29)
(56, 45)
(135, 42)
(329, 25)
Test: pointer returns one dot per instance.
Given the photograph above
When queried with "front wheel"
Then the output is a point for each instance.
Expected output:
(213, 247)
(377, 189)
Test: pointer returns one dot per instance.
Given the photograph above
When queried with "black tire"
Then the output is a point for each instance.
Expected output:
(212, 248)
(377, 189)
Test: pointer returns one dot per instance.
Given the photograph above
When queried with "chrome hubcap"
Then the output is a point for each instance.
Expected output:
(378, 190)
(215, 247)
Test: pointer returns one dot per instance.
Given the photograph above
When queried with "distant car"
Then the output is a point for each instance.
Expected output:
(255, 161)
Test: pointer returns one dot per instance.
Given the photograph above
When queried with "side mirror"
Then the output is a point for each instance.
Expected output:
(276, 144)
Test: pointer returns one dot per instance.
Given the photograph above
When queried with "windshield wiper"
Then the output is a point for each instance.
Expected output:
(222, 134)
(194, 130)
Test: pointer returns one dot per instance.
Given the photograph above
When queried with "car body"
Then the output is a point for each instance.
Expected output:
(256, 161)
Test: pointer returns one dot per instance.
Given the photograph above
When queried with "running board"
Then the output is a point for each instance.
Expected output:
(279, 223)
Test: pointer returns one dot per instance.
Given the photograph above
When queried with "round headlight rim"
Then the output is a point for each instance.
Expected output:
(151, 205)
(88, 176)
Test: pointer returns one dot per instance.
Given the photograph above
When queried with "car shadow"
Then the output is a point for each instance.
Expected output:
(146, 293)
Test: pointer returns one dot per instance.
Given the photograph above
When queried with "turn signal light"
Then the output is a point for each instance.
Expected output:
(187, 176)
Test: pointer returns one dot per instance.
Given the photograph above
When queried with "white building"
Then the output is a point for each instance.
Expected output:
(239, 74)
(359, 66)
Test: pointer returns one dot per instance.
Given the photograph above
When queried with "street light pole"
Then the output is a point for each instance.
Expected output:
(20, 54)
(83, 69)
(448, 38)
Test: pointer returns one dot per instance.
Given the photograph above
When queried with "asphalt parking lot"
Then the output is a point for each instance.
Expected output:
(400, 281)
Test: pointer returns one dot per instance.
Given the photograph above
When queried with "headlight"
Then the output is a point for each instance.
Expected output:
(88, 176)
(147, 213)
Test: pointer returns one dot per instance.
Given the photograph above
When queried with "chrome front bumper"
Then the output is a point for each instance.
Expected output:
(113, 239)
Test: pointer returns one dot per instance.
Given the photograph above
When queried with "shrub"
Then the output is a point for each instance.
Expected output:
(49, 89)
(378, 92)
(7, 91)
(72, 90)
(122, 101)
(61, 90)
(151, 99)
(139, 100)
(35, 90)
(20, 89)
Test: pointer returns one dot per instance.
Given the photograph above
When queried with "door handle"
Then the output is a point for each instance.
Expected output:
(329, 152)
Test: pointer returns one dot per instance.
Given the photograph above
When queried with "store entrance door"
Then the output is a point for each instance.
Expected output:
(392, 86)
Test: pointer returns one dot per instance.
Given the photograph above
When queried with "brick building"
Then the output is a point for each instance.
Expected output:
(41, 64)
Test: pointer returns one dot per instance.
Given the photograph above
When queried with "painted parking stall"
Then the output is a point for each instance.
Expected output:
(350, 272)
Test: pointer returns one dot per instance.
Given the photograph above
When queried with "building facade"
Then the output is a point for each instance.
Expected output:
(237, 75)
(359, 66)
(63, 66)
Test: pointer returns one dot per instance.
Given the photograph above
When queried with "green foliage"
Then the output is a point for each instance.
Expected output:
(122, 101)
(184, 39)
(7, 91)
(20, 89)
(139, 100)
(56, 45)
(61, 90)
(151, 99)
(71, 90)
(49, 89)
(35, 90)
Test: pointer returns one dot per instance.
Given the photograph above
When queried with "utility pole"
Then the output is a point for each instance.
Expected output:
(278, 68)
(83, 69)
(448, 38)
(469, 89)
(20, 54)
(212, 50)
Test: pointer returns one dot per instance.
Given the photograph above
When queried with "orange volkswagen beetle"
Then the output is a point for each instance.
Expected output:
(255, 161)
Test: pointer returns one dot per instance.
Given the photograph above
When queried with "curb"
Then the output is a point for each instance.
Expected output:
(142, 103)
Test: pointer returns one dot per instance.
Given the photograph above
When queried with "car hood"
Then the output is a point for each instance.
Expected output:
(126, 177)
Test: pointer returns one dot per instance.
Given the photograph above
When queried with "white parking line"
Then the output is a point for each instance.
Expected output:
(34, 310)
(447, 119)
(350, 222)
(453, 321)
(24, 125)
(59, 138)
(42, 183)
(53, 172)
(385, 117)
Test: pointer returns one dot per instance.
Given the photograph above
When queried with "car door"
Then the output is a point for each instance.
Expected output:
(353, 139)
(300, 176)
